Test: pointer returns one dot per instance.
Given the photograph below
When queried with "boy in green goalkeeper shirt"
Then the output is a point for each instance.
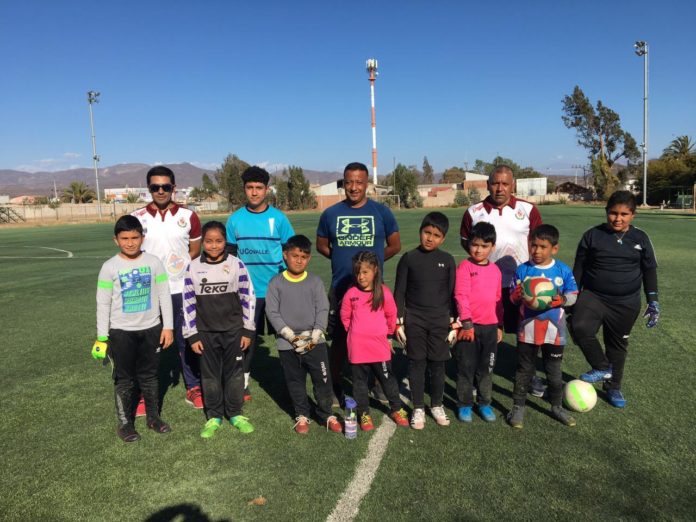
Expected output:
(132, 294)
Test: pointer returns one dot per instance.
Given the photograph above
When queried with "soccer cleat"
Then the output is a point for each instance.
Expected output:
(438, 413)
(537, 387)
(400, 418)
(301, 425)
(516, 417)
(464, 413)
(140, 409)
(418, 419)
(211, 427)
(127, 433)
(247, 395)
(159, 426)
(596, 375)
(194, 397)
(333, 424)
(562, 416)
(242, 423)
(615, 397)
(486, 413)
(366, 423)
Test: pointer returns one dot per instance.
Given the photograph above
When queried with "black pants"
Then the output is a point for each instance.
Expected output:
(552, 357)
(416, 378)
(296, 367)
(339, 343)
(427, 349)
(616, 320)
(222, 374)
(475, 363)
(136, 359)
(385, 376)
(262, 327)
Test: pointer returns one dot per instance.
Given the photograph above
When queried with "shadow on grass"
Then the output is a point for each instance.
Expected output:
(182, 513)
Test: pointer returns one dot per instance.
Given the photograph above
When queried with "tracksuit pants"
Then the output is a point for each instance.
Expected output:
(552, 357)
(222, 374)
(475, 363)
(427, 350)
(616, 320)
(296, 367)
(385, 376)
(136, 358)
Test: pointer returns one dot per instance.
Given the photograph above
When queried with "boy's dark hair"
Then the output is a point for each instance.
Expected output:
(299, 241)
(255, 175)
(365, 256)
(545, 233)
(160, 170)
(437, 220)
(212, 225)
(622, 197)
(483, 231)
(128, 223)
(355, 166)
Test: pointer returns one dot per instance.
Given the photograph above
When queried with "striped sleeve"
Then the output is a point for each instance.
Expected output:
(105, 285)
(189, 329)
(247, 297)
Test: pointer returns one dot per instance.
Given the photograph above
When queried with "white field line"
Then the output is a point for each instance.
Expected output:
(68, 256)
(349, 504)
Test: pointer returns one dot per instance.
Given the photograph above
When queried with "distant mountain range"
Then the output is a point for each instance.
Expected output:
(18, 183)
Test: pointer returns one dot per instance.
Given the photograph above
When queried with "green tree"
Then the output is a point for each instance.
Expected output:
(680, 147)
(279, 197)
(599, 132)
(132, 197)
(229, 180)
(78, 192)
(207, 189)
(406, 186)
(300, 196)
(453, 175)
(428, 172)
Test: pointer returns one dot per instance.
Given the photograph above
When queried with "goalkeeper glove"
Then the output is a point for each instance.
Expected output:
(400, 332)
(302, 343)
(652, 314)
(466, 332)
(100, 347)
(516, 294)
(287, 333)
(455, 326)
(557, 300)
(317, 337)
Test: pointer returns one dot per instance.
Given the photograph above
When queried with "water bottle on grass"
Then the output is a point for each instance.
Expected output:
(351, 422)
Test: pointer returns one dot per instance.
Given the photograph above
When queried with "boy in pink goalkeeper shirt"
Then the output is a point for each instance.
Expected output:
(368, 313)
(477, 293)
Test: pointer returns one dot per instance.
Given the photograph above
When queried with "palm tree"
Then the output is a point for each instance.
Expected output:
(78, 192)
(680, 147)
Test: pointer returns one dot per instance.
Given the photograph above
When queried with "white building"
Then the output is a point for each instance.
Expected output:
(530, 187)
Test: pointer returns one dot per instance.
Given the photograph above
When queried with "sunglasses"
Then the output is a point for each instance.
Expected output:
(167, 187)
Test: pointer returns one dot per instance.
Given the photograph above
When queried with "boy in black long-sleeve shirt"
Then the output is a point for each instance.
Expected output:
(423, 294)
(612, 262)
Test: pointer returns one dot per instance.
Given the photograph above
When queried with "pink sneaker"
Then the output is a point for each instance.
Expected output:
(140, 410)
(194, 397)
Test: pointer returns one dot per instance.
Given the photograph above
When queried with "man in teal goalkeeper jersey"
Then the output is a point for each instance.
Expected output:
(256, 234)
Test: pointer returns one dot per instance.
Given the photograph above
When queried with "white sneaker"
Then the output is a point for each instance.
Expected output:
(438, 413)
(418, 419)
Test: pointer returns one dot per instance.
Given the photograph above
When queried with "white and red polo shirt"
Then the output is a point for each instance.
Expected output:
(513, 222)
(167, 236)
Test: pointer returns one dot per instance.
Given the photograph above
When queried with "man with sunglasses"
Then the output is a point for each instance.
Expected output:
(173, 234)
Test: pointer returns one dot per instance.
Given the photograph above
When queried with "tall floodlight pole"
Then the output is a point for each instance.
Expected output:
(642, 50)
(93, 97)
(371, 66)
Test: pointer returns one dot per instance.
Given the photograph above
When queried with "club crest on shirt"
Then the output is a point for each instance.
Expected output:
(182, 222)
(226, 269)
(175, 264)
(558, 281)
(519, 213)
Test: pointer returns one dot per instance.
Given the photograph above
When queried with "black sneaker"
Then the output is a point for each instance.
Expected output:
(127, 433)
(159, 426)
(562, 416)
(515, 417)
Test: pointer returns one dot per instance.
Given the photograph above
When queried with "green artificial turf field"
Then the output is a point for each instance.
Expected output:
(61, 459)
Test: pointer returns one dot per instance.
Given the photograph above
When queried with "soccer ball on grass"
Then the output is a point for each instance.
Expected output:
(579, 396)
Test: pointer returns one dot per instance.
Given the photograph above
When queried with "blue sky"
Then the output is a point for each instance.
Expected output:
(284, 82)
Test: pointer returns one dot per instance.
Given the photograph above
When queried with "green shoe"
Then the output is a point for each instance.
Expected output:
(242, 424)
(211, 427)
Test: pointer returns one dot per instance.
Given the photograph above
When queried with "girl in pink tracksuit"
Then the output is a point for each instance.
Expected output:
(368, 313)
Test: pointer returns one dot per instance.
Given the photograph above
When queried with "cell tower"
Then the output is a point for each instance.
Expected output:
(371, 66)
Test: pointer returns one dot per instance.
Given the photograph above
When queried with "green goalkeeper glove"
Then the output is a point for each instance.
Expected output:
(100, 348)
